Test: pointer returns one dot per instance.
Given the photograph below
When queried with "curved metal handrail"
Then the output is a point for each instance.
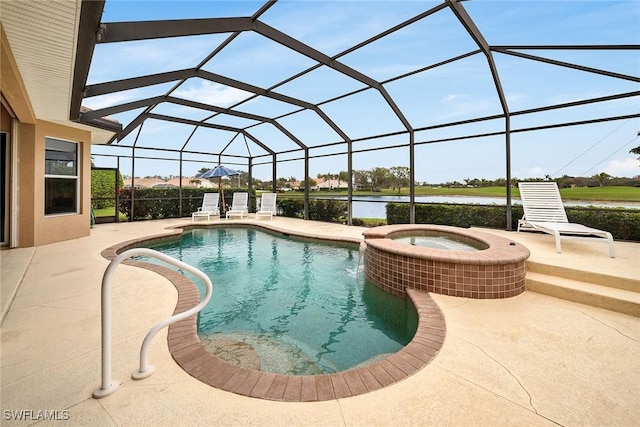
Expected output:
(108, 385)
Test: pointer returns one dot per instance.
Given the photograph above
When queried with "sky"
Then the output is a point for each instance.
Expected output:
(457, 91)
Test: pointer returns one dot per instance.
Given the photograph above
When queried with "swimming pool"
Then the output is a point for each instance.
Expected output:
(290, 306)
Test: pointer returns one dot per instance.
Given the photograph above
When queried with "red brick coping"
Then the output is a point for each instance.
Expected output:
(189, 353)
(498, 271)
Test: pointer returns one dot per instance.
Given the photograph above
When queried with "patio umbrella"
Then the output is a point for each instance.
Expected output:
(219, 171)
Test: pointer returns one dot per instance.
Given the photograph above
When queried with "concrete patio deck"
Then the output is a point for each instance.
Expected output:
(528, 360)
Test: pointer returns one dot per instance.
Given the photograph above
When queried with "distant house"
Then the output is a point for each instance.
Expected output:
(186, 182)
(172, 183)
(331, 184)
(291, 185)
(142, 182)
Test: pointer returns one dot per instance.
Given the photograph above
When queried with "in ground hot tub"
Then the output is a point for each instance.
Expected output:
(475, 265)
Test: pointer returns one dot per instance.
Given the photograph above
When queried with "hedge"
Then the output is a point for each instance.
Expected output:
(152, 203)
(624, 224)
(103, 188)
(156, 203)
(319, 210)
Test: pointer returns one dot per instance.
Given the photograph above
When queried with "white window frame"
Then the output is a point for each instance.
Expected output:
(76, 177)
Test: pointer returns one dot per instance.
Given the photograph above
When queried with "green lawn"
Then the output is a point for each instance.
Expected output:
(108, 212)
(621, 194)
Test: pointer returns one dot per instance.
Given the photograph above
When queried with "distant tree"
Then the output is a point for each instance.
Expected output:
(312, 183)
(399, 176)
(636, 150)
(601, 178)
(242, 179)
(257, 183)
(201, 171)
(500, 182)
(343, 176)
(266, 185)
(565, 181)
(361, 178)
(290, 182)
(379, 178)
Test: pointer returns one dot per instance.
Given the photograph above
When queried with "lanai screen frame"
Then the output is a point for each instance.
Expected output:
(92, 31)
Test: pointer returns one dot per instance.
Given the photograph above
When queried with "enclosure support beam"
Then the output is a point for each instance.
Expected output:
(89, 23)
(180, 186)
(306, 183)
(250, 176)
(482, 43)
(507, 138)
(274, 174)
(412, 178)
(350, 183)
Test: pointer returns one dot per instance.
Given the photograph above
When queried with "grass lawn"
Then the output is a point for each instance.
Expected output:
(618, 194)
(108, 212)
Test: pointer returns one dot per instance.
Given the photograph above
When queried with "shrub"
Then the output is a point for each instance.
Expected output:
(292, 208)
(319, 210)
(155, 203)
(624, 224)
(328, 210)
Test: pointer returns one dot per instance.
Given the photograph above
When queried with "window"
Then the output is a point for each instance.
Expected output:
(61, 181)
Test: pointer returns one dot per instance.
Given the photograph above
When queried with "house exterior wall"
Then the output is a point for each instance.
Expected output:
(56, 228)
(27, 141)
(34, 228)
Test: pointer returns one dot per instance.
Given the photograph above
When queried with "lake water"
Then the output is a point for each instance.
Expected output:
(374, 206)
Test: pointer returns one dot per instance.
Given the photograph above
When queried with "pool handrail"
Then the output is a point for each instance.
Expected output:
(108, 385)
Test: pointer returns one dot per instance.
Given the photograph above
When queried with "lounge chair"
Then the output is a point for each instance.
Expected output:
(267, 206)
(239, 205)
(544, 211)
(209, 206)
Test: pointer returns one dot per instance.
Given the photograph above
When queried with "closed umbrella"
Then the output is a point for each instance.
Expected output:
(219, 171)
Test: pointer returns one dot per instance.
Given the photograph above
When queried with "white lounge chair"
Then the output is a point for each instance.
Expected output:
(544, 211)
(209, 206)
(267, 205)
(239, 205)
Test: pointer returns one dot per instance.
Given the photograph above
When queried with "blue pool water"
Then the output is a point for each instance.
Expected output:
(439, 241)
(291, 306)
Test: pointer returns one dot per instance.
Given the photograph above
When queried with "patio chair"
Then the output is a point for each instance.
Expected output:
(544, 211)
(267, 206)
(239, 205)
(209, 206)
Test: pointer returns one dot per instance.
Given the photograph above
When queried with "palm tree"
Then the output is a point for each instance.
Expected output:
(601, 177)
(636, 151)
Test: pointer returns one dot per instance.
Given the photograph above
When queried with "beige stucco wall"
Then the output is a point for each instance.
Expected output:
(34, 228)
(55, 228)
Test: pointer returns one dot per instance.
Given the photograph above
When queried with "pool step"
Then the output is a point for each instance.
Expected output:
(597, 295)
(584, 275)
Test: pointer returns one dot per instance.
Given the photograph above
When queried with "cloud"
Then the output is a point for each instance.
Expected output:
(104, 101)
(623, 167)
(535, 171)
(213, 94)
(457, 106)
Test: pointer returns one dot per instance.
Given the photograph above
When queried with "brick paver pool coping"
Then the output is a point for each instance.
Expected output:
(188, 351)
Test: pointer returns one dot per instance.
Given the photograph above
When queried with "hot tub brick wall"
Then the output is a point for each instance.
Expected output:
(394, 272)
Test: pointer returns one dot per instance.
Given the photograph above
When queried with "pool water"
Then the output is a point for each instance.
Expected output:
(446, 242)
(291, 306)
